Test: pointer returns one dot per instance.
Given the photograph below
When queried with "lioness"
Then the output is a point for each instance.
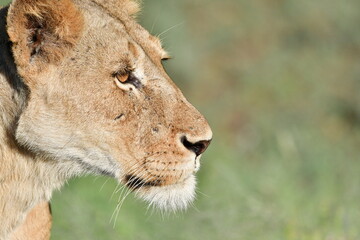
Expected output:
(83, 90)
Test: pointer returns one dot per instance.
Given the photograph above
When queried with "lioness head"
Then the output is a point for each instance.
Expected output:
(100, 101)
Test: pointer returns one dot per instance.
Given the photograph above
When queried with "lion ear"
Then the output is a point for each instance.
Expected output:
(42, 32)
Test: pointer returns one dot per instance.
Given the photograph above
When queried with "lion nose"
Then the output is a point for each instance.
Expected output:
(197, 147)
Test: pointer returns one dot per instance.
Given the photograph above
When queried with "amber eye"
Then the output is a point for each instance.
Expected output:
(122, 77)
(128, 78)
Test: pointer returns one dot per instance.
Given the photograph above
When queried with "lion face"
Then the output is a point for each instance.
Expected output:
(100, 100)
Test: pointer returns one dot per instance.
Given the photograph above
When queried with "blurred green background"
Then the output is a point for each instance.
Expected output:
(279, 82)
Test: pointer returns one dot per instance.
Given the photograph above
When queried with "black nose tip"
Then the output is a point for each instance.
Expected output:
(197, 147)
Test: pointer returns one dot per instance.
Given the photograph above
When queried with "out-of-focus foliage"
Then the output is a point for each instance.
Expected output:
(279, 81)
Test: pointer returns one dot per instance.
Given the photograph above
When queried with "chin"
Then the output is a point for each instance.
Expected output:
(173, 198)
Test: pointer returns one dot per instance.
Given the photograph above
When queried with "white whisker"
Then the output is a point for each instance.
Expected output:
(167, 30)
(102, 186)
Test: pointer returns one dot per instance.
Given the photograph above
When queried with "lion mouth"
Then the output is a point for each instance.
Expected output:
(171, 197)
(133, 182)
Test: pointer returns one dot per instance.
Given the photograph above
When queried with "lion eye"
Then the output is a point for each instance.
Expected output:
(122, 77)
(128, 78)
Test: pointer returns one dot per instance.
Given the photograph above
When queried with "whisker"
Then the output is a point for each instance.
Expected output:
(122, 188)
(102, 186)
(115, 190)
(194, 207)
(124, 193)
(153, 25)
(118, 207)
(167, 30)
(205, 195)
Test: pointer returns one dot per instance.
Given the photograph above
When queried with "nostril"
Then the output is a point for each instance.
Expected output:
(197, 147)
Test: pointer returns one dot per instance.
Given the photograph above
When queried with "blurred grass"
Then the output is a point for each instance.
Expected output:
(279, 83)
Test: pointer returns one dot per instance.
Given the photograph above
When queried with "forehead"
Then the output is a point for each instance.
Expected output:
(119, 30)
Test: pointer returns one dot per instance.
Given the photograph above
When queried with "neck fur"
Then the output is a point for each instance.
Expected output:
(25, 179)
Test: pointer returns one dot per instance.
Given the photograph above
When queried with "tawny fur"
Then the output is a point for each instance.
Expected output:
(37, 225)
(60, 26)
(64, 114)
